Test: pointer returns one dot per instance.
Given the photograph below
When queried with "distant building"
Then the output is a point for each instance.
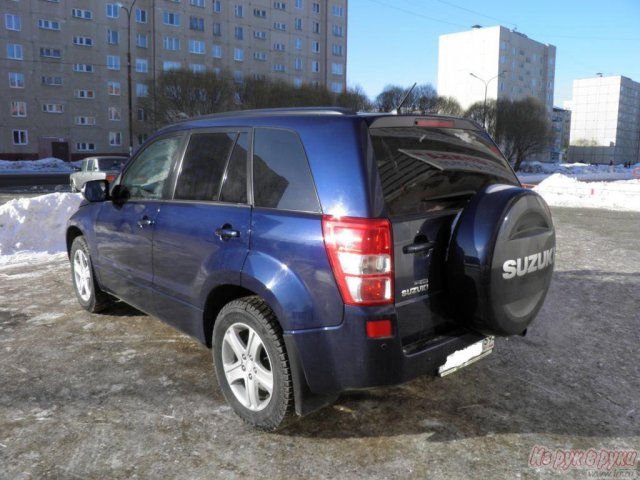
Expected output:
(605, 120)
(63, 70)
(512, 65)
(560, 126)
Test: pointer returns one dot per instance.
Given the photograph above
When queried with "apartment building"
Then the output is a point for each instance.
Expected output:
(605, 120)
(505, 62)
(65, 61)
(560, 126)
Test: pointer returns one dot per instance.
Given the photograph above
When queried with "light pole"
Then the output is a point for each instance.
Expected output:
(486, 86)
(130, 102)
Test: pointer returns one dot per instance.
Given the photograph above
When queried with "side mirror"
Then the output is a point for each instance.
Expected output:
(119, 194)
(96, 191)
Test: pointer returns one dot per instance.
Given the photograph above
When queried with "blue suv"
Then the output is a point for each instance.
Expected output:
(318, 250)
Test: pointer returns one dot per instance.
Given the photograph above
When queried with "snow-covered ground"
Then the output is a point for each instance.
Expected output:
(45, 165)
(31, 229)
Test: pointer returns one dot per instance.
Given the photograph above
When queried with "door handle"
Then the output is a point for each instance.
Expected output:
(418, 247)
(226, 232)
(145, 222)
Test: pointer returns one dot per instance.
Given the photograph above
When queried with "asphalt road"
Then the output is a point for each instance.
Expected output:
(121, 395)
(12, 180)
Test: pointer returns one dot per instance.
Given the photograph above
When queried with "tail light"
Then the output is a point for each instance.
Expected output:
(361, 256)
(111, 178)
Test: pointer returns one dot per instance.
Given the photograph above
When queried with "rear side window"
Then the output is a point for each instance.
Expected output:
(203, 166)
(431, 169)
(281, 175)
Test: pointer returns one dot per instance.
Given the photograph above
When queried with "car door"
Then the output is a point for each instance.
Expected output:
(201, 236)
(124, 227)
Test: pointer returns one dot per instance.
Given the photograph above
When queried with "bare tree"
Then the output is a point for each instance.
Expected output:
(355, 99)
(447, 106)
(484, 115)
(390, 98)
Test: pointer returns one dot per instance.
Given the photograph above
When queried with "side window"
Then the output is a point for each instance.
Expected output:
(281, 175)
(145, 178)
(234, 186)
(203, 166)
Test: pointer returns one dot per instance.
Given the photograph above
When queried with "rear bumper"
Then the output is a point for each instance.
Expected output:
(341, 358)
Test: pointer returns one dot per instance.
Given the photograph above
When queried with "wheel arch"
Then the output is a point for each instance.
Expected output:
(73, 232)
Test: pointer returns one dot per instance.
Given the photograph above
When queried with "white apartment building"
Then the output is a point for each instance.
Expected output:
(506, 62)
(605, 120)
(63, 63)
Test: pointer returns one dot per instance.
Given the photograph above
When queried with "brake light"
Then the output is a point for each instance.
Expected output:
(361, 256)
(111, 178)
(434, 123)
(379, 328)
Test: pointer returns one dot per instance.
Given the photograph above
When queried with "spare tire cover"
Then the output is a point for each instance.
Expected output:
(500, 260)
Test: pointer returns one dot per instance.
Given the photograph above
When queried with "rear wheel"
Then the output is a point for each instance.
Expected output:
(251, 362)
(89, 295)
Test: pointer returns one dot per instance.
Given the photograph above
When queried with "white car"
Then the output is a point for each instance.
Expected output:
(96, 168)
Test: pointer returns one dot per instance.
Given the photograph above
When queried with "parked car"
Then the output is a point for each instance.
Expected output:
(318, 250)
(96, 168)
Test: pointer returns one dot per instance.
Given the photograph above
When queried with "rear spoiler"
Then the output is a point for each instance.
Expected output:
(427, 121)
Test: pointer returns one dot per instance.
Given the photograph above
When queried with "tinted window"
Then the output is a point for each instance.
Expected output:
(281, 176)
(427, 169)
(146, 176)
(234, 187)
(203, 166)
(109, 163)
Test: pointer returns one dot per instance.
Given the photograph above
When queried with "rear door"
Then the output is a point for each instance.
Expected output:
(429, 169)
(201, 236)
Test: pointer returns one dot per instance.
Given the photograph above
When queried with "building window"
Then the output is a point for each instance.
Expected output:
(50, 52)
(239, 11)
(297, 43)
(337, 11)
(171, 18)
(337, 50)
(12, 22)
(83, 67)
(16, 80)
(238, 76)
(142, 137)
(168, 65)
(315, 66)
(297, 23)
(280, 5)
(85, 147)
(315, 7)
(216, 51)
(337, 30)
(52, 108)
(85, 94)
(142, 40)
(197, 3)
(336, 87)
(20, 137)
(113, 10)
(260, 13)
(315, 47)
(279, 47)
(196, 23)
(298, 3)
(260, 35)
(298, 64)
(115, 139)
(142, 65)
(171, 43)
(83, 14)
(337, 69)
(83, 41)
(113, 62)
(113, 88)
(114, 114)
(280, 26)
(238, 32)
(113, 38)
(238, 54)
(297, 82)
(315, 27)
(279, 67)
(142, 90)
(217, 29)
(217, 6)
(141, 15)
(52, 81)
(49, 24)
(260, 56)
(18, 108)
(85, 121)
(14, 51)
(196, 47)
(197, 68)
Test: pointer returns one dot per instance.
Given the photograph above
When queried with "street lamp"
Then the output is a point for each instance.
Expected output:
(130, 103)
(486, 86)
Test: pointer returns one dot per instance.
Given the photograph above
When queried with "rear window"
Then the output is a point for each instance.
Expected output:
(431, 169)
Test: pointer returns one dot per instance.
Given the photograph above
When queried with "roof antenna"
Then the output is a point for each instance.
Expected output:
(404, 99)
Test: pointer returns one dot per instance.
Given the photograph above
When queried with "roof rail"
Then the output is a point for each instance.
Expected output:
(275, 111)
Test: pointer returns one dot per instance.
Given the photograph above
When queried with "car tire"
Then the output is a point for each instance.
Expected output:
(251, 362)
(89, 294)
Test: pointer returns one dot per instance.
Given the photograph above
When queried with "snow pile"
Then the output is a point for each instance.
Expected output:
(45, 165)
(537, 171)
(36, 224)
(562, 191)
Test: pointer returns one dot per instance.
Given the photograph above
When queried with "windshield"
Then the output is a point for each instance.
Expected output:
(430, 169)
(110, 163)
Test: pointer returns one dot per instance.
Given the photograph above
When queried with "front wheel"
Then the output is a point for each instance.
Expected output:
(251, 362)
(89, 295)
